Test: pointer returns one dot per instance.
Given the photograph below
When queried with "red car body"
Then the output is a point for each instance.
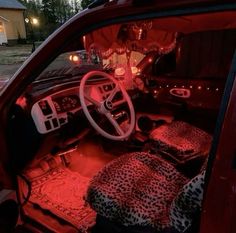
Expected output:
(219, 207)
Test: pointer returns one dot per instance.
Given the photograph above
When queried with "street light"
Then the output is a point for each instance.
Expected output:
(32, 22)
(35, 21)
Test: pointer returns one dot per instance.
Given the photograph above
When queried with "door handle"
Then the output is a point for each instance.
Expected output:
(180, 92)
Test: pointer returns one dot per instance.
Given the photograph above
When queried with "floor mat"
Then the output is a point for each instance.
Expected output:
(61, 192)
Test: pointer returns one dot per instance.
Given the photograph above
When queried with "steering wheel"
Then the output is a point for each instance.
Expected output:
(106, 106)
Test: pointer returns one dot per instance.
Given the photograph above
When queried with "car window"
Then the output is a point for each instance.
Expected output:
(199, 55)
(70, 64)
(3, 82)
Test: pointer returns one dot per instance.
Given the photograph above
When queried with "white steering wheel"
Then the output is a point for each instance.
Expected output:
(106, 106)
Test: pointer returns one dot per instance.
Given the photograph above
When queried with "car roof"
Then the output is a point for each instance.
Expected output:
(161, 4)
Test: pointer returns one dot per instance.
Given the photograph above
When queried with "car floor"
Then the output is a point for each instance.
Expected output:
(89, 158)
(58, 187)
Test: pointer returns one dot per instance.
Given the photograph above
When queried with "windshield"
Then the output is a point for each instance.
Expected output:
(78, 63)
(71, 64)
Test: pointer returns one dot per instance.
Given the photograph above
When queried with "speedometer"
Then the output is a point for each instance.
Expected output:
(68, 103)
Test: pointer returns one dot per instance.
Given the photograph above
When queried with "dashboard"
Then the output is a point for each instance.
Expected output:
(51, 112)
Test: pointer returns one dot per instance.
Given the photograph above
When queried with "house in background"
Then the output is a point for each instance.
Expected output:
(12, 24)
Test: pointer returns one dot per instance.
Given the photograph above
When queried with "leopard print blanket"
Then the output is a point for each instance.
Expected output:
(136, 189)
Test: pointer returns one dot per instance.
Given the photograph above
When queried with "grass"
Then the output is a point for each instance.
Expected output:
(14, 54)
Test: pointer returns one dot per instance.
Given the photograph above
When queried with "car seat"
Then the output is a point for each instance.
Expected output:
(180, 141)
(136, 189)
(141, 190)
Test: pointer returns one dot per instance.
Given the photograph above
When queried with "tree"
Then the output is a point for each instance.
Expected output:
(55, 13)
(85, 3)
(32, 7)
(76, 5)
(33, 10)
(50, 13)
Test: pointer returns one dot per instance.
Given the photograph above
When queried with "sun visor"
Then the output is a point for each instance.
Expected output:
(140, 36)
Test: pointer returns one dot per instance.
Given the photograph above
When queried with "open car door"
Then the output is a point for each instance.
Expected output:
(219, 208)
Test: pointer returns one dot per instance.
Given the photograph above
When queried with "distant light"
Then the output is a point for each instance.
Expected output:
(27, 20)
(167, 85)
(191, 87)
(199, 87)
(74, 58)
(183, 86)
(150, 60)
(175, 86)
(35, 21)
(217, 89)
(208, 88)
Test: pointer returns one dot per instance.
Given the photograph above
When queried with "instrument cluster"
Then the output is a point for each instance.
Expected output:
(66, 103)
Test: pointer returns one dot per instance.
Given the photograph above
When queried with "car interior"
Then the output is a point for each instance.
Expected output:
(109, 134)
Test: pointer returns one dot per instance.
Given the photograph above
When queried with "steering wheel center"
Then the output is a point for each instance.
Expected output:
(108, 105)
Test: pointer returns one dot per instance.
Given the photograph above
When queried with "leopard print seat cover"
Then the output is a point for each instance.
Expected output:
(136, 189)
(187, 203)
(181, 140)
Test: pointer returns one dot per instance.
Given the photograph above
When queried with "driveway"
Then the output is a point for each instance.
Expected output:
(7, 71)
(11, 58)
